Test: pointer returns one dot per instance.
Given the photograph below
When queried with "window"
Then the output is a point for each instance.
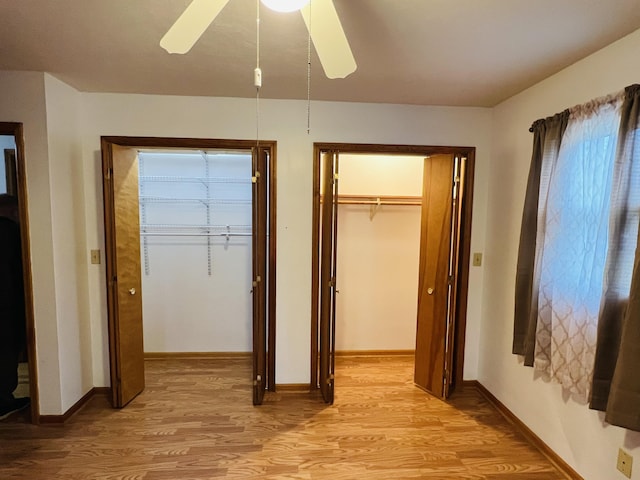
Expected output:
(571, 259)
(577, 295)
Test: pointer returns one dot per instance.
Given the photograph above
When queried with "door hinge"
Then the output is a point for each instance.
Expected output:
(255, 178)
(332, 282)
(455, 189)
(109, 173)
(258, 380)
(450, 280)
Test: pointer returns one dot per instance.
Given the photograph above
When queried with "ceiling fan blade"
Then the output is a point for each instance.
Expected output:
(191, 25)
(329, 38)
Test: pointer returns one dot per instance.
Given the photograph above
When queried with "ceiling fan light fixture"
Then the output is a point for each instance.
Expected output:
(284, 5)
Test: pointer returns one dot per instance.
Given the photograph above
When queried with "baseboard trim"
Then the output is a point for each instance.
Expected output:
(195, 355)
(339, 353)
(536, 441)
(374, 353)
(59, 419)
(292, 387)
(104, 391)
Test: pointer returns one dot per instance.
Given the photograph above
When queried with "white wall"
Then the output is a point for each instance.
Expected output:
(378, 258)
(579, 435)
(377, 278)
(48, 110)
(22, 99)
(69, 245)
(184, 308)
(284, 121)
(397, 175)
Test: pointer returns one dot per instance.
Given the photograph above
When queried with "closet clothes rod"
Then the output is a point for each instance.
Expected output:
(186, 234)
(378, 200)
(174, 226)
(204, 201)
(182, 179)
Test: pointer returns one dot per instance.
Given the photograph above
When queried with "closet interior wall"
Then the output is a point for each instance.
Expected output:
(378, 253)
(196, 247)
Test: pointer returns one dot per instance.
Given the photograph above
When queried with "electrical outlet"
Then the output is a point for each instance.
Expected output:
(477, 259)
(95, 257)
(625, 461)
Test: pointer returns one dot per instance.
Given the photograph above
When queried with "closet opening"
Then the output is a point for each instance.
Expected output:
(190, 255)
(17, 339)
(391, 236)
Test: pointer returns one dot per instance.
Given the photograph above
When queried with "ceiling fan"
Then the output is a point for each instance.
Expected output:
(324, 27)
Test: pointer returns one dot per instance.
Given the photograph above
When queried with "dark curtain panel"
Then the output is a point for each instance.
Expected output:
(623, 230)
(618, 352)
(623, 407)
(547, 136)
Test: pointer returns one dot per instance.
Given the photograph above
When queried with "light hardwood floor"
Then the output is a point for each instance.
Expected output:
(195, 421)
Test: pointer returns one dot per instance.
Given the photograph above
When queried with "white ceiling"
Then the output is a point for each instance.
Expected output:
(425, 52)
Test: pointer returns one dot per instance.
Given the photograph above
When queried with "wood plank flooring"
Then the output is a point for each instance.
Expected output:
(195, 421)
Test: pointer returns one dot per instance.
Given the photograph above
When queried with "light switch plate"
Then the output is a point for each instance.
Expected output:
(95, 257)
(477, 259)
(625, 461)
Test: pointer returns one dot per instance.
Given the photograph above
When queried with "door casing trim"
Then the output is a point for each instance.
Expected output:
(462, 283)
(17, 130)
(168, 143)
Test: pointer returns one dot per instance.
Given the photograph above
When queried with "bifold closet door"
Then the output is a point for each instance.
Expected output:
(124, 295)
(259, 225)
(434, 284)
(328, 262)
(459, 175)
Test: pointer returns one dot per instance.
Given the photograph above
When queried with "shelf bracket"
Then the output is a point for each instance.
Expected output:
(373, 209)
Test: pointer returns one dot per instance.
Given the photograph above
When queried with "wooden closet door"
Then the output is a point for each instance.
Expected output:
(434, 285)
(124, 293)
(328, 262)
(259, 224)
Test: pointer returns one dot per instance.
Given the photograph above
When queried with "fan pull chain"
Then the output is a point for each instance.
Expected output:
(309, 74)
(257, 74)
(257, 34)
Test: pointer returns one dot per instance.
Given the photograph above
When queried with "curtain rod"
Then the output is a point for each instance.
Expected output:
(590, 105)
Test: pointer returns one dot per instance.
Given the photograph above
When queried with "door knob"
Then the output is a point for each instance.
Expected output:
(132, 291)
(430, 291)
